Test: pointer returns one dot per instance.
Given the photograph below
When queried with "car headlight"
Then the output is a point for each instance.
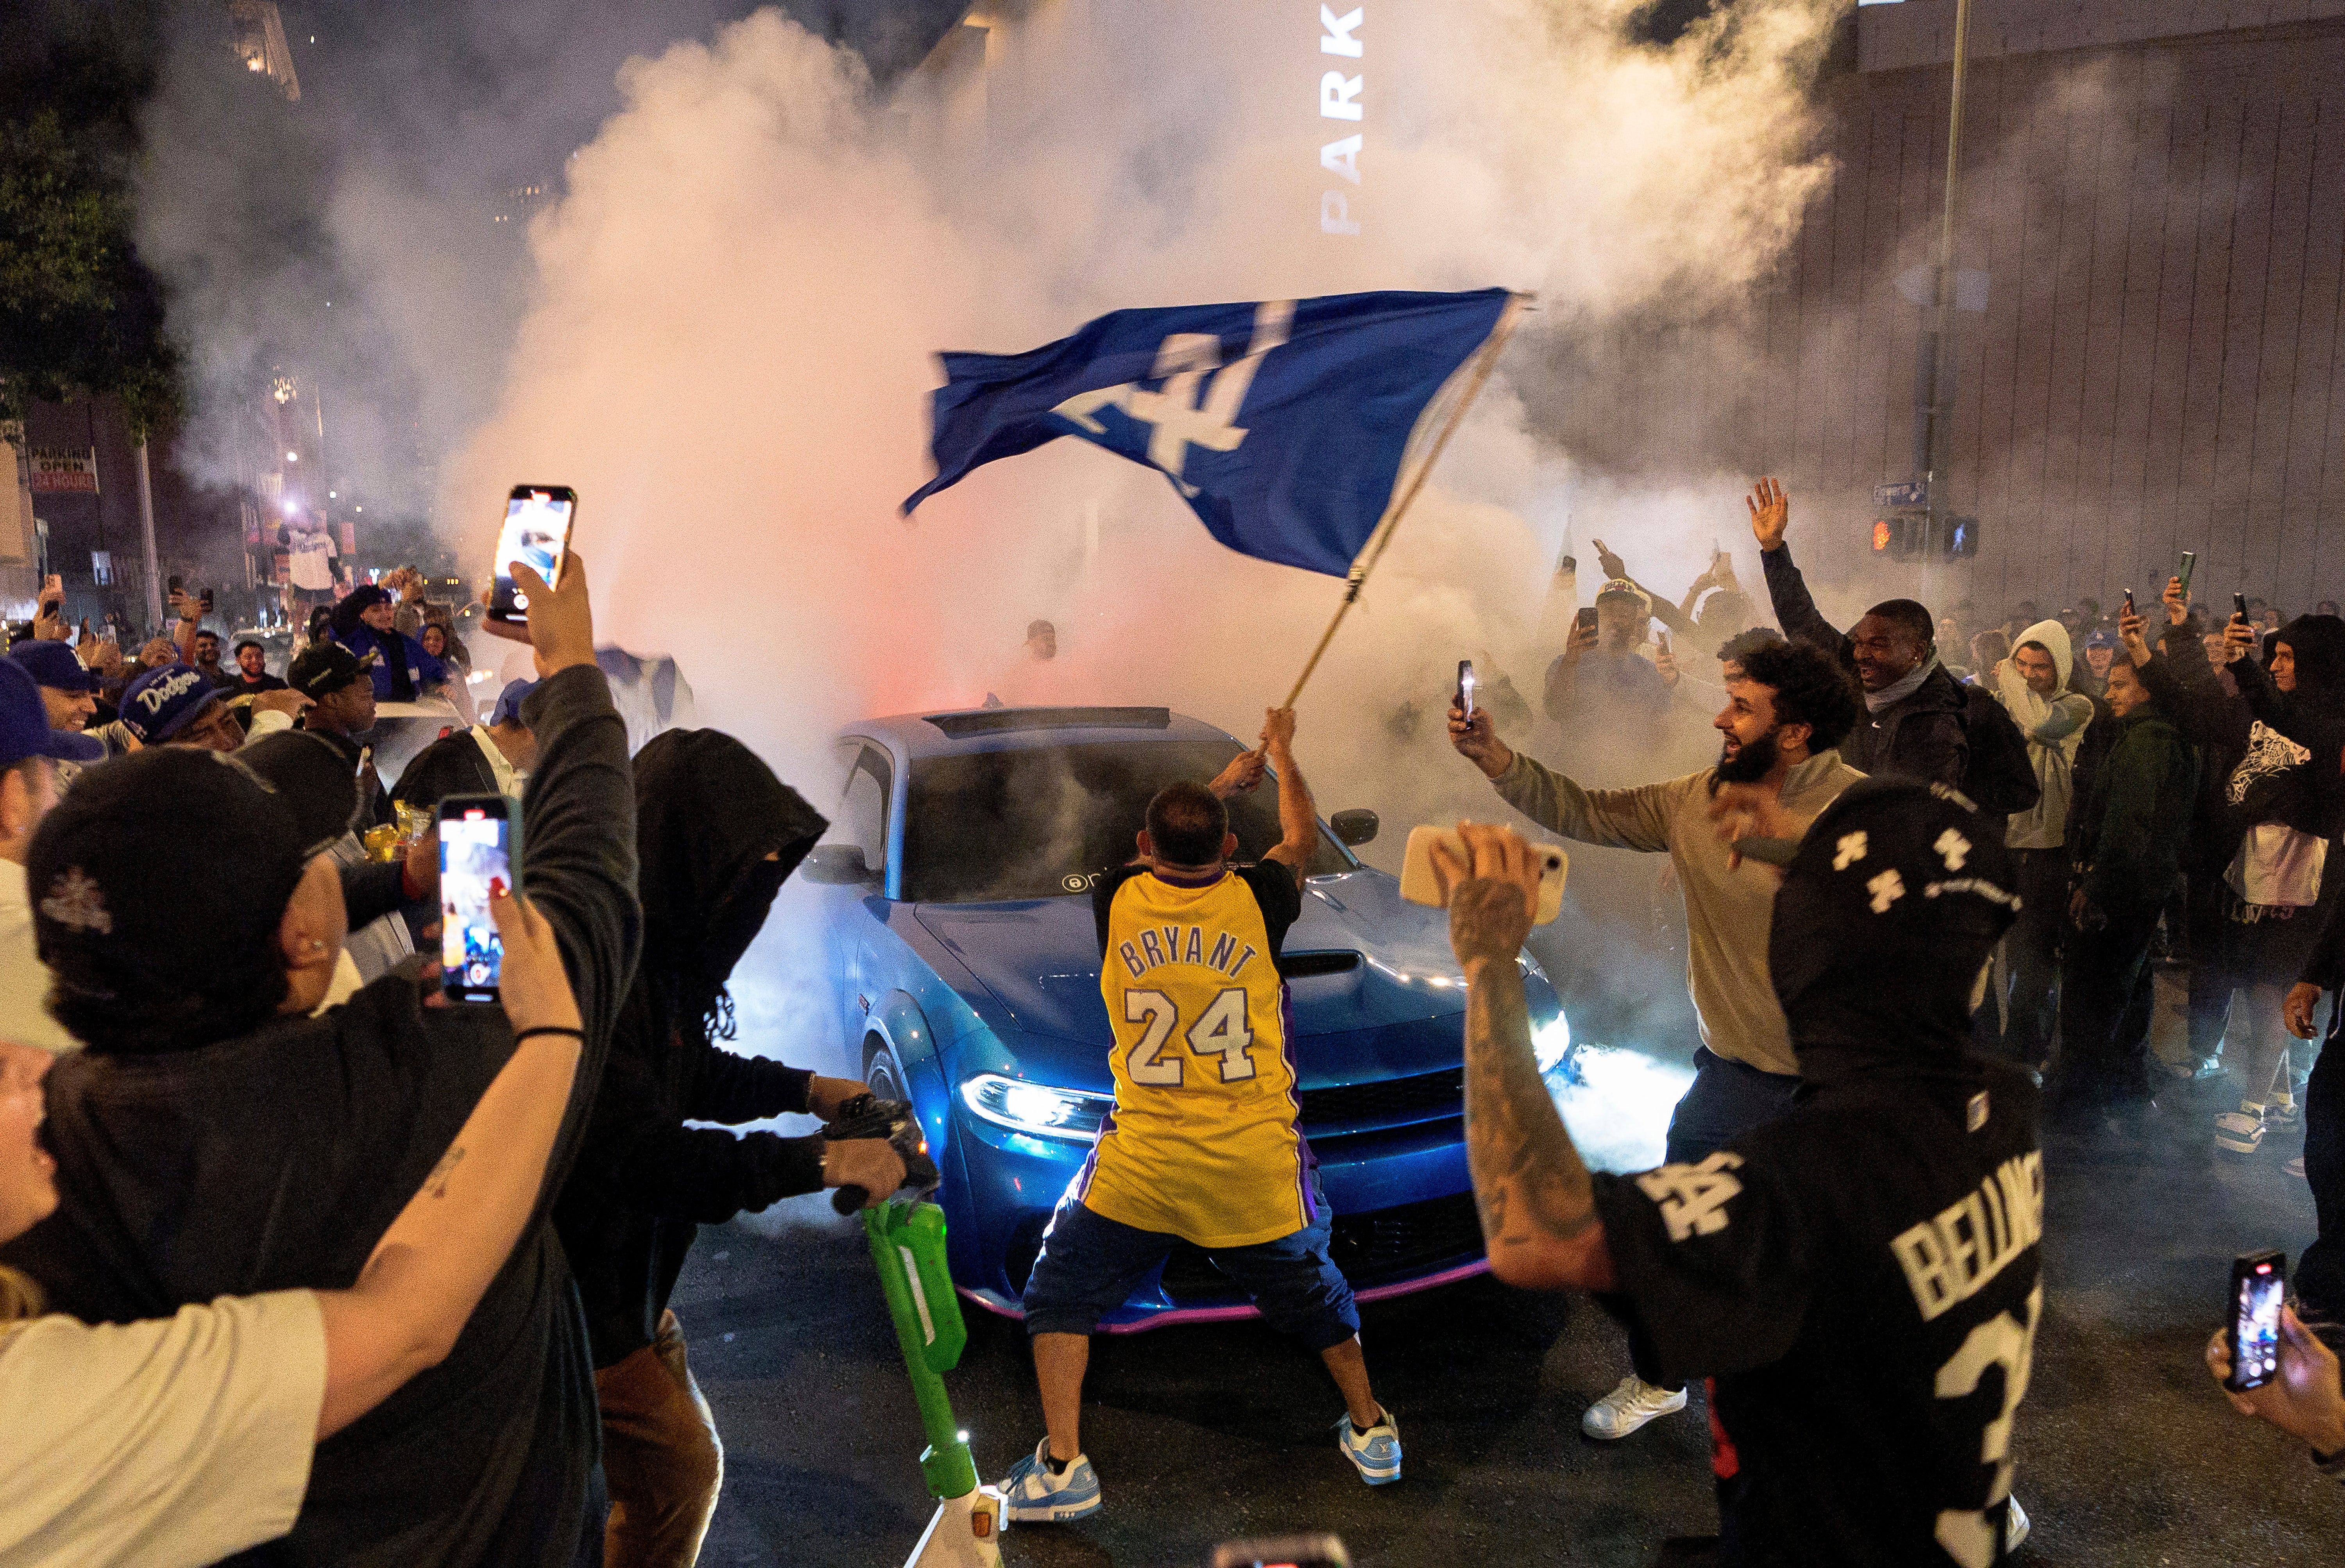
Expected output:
(1551, 1043)
(1035, 1109)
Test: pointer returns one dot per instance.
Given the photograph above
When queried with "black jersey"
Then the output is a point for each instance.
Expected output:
(1861, 1282)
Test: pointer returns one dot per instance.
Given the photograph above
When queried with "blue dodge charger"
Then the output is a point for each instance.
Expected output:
(957, 887)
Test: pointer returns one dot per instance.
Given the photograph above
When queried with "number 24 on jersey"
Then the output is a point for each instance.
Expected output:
(1220, 1032)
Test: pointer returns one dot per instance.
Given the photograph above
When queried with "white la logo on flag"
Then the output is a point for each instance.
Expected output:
(77, 901)
(1181, 420)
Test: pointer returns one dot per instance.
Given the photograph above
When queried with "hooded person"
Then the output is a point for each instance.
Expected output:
(212, 1139)
(2031, 684)
(402, 671)
(1860, 1277)
(717, 834)
(2286, 800)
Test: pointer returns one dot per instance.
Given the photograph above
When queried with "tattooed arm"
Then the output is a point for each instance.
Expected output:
(1539, 1213)
(433, 1265)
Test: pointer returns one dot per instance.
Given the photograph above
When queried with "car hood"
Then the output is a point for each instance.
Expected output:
(1358, 959)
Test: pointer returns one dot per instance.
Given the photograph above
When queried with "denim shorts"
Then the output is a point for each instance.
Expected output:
(1091, 1264)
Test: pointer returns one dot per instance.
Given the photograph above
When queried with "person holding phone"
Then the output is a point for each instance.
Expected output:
(1787, 706)
(1598, 684)
(182, 1438)
(2305, 1400)
(206, 1093)
(1867, 1345)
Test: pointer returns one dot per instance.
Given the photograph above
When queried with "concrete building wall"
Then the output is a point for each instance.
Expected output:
(2160, 364)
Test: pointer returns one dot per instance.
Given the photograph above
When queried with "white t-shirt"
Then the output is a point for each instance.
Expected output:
(23, 978)
(179, 1440)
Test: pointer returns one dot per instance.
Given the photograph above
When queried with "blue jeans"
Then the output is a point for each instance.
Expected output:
(1091, 1264)
(1727, 1099)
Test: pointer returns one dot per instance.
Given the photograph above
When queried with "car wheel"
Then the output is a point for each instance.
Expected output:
(882, 1072)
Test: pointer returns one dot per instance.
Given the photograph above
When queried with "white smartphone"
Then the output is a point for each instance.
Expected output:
(536, 530)
(1418, 886)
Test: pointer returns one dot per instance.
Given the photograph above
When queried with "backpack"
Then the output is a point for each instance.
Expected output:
(1998, 776)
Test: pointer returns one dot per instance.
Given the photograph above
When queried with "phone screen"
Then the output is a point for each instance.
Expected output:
(475, 859)
(536, 530)
(2257, 1286)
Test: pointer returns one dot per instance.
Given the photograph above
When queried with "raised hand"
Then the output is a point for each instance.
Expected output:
(1770, 514)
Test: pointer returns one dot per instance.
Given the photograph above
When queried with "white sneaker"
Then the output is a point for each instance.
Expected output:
(2241, 1132)
(2015, 1528)
(1628, 1407)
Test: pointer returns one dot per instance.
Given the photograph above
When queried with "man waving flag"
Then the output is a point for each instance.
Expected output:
(1282, 424)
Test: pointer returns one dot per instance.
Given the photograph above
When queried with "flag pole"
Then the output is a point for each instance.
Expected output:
(1375, 549)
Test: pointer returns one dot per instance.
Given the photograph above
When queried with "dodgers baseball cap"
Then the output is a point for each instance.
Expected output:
(162, 702)
(508, 701)
(24, 723)
(54, 664)
(152, 962)
(324, 669)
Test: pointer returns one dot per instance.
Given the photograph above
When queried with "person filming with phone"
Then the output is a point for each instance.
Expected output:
(214, 1138)
(1867, 1334)
(2303, 1397)
(1788, 704)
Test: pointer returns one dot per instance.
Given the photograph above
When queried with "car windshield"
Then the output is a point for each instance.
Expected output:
(1041, 822)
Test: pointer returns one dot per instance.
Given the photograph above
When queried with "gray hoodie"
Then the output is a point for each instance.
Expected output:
(2055, 727)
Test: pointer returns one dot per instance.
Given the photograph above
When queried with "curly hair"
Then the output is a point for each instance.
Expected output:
(1810, 688)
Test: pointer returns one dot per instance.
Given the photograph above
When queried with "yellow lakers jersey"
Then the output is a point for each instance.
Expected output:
(1202, 1143)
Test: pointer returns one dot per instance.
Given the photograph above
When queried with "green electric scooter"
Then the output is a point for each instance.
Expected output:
(908, 1245)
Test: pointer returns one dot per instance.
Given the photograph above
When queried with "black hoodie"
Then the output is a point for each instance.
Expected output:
(709, 816)
(1860, 1277)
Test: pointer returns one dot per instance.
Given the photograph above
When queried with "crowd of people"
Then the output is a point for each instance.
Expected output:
(293, 1251)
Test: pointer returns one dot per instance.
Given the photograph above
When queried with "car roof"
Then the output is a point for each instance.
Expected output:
(957, 731)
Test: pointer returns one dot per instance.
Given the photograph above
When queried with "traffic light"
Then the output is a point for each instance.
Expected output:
(1907, 535)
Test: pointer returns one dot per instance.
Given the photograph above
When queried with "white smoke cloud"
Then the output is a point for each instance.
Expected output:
(728, 346)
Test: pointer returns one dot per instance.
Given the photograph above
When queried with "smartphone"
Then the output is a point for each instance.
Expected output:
(480, 847)
(1465, 684)
(2258, 1285)
(2239, 605)
(1283, 1551)
(2129, 609)
(2189, 564)
(1418, 886)
(1662, 640)
(536, 530)
(173, 582)
(1588, 619)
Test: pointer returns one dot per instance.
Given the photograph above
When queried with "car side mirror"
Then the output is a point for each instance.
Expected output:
(835, 865)
(1355, 828)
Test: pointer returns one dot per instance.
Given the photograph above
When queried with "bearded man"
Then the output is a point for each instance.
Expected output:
(1786, 708)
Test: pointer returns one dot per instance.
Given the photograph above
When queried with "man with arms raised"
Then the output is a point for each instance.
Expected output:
(1786, 709)
(1202, 1145)
(1914, 722)
(1860, 1277)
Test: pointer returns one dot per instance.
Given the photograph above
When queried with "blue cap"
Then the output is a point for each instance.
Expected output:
(162, 702)
(508, 707)
(2100, 638)
(24, 724)
(54, 664)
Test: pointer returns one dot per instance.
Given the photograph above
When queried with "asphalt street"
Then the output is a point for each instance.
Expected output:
(2125, 1451)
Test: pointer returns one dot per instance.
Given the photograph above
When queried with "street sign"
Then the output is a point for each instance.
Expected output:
(68, 469)
(1913, 493)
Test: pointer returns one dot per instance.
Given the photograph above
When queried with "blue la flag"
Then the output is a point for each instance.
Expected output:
(1282, 423)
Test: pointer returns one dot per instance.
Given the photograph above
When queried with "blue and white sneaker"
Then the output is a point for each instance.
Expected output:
(1034, 1493)
(1375, 1452)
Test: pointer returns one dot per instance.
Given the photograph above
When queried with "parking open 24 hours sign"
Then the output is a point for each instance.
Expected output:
(65, 469)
